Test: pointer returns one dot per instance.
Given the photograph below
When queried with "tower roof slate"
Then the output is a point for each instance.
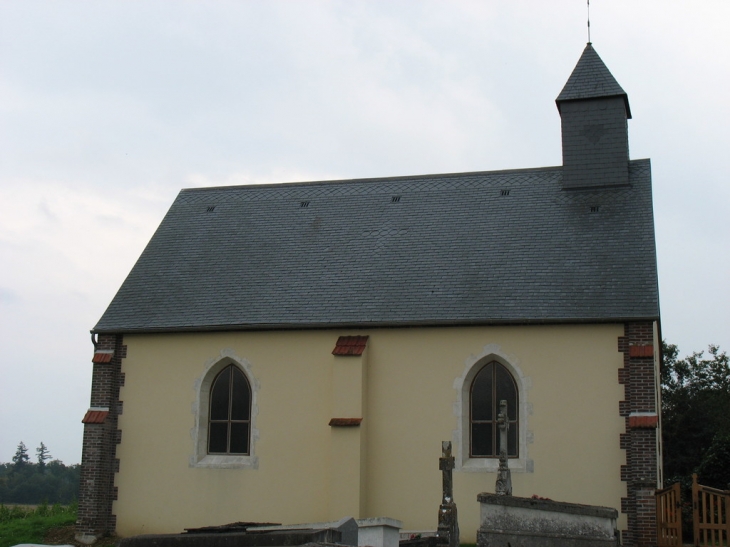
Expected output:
(468, 248)
(591, 79)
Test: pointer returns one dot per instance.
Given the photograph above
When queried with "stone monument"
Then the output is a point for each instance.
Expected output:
(448, 528)
(508, 520)
(503, 487)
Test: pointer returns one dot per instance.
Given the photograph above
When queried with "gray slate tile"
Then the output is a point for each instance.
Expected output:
(453, 250)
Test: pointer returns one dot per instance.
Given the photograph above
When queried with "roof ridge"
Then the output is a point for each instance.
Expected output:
(375, 179)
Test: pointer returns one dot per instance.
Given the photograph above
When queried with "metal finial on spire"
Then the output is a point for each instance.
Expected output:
(588, 4)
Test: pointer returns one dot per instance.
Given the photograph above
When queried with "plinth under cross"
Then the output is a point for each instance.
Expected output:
(503, 487)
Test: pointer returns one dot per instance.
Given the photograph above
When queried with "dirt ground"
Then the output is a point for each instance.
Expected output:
(64, 535)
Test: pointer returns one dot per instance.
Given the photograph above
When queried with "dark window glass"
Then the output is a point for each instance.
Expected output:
(505, 389)
(512, 438)
(239, 438)
(492, 384)
(481, 444)
(481, 394)
(240, 405)
(218, 438)
(230, 413)
(219, 396)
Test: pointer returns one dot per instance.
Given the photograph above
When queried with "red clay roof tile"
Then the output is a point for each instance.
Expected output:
(643, 422)
(345, 422)
(641, 351)
(95, 417)
(101, 357)
(350, 345)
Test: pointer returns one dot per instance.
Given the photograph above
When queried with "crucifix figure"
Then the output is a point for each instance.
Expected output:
(503, 487)
(448, 527)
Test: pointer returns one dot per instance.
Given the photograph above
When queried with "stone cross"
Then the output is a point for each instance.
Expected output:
(448, 528)
(503, 487)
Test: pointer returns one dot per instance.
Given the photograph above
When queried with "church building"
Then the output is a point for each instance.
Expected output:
(298, 352)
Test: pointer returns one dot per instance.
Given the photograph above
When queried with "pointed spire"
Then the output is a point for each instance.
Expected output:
(591, 79)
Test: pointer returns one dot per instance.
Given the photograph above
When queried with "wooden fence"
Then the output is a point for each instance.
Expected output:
(669, 516)
(711, 515)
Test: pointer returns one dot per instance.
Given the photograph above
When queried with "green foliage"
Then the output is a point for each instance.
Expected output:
(21, 458)
(714, 470)
(695, 416)
(33, 483)
(42, 454)
(20, 525)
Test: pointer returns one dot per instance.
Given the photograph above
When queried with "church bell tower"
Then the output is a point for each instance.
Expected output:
(594, 110)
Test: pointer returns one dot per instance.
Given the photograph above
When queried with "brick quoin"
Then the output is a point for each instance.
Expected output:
(98, 462)
(639, 410)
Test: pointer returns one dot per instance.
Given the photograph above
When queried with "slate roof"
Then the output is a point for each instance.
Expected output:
(469, 248)
(591, 79)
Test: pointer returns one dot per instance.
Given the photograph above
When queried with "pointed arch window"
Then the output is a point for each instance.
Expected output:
(229, 422)
(492, 384)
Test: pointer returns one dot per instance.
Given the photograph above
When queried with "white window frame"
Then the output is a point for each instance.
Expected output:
(460, 436)
(201, 412)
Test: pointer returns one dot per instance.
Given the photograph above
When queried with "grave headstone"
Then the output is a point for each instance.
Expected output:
(448, 522)
(503, 486)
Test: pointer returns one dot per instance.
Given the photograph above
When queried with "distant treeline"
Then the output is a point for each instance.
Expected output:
(23, 481)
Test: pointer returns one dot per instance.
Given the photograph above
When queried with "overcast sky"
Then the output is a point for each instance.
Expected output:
(107, 109)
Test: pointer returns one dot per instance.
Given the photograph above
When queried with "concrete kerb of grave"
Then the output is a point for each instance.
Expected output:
(510, 520)
(372, 532)
(347, 526)
(274, 538)
(411, 534)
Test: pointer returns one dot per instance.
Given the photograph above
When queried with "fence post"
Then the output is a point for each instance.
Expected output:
(695, 510)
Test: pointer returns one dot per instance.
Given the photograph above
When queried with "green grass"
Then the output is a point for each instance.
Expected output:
(28, 525)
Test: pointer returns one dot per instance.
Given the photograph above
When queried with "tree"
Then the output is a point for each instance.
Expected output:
(21, 458)
(43, 454)
(695, 417)
(714, 469)
(57, 484)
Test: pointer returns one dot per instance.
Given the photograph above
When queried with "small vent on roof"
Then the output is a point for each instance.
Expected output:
(210, 208)
(594, 208)
(395, 199)
(303, 204)
(504, 192)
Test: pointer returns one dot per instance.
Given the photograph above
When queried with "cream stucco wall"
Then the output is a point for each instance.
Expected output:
(407, 389)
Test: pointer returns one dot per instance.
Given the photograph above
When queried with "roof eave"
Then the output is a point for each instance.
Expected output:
(373, 324)
(624, 96)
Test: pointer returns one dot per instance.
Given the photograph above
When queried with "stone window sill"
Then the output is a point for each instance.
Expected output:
(491, 465)
(227, 462)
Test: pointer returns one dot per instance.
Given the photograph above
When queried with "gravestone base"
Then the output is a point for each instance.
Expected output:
(509, 521)
(378, 532)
